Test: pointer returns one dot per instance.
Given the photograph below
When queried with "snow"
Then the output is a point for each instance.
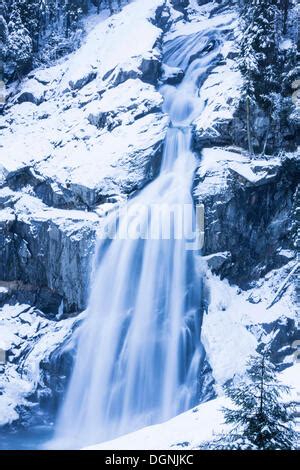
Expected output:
(233, 326)
(124, 103)
(49, 75)
(221, 93)
(7, 215)
(218, 164)
(286, 44)
(56, 135)
(258, 172)
(28, 207)
(190, 430)
(185, 431)
(226, 335)
(227, 342)
(291, 378)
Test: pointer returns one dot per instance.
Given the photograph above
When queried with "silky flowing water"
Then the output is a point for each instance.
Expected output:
(139, 354)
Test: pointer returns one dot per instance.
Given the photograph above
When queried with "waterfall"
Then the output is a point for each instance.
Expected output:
(139, 353)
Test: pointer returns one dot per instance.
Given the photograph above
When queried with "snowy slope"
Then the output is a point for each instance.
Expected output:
(52, 121)
(192, 429)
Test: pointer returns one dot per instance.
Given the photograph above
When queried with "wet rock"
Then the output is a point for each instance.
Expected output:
(150, 68)
(23, 252)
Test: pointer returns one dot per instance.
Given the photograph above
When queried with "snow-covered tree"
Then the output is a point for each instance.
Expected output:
(259, 47)
(74, 9)
(3, 40)
(266, 65)
(259, 418)
(19, 44)
(31, 16)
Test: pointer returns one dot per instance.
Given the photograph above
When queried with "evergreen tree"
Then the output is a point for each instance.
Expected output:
(110, 4)
(284, 6)
(266, 69)
(3, 41)
(259, 418)
(34, 32)
(31, 16)
(74, 9)
(259, 48)
(19, 44)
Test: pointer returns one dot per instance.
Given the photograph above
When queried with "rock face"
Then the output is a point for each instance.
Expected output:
(248, 209)
(48, 249)
(221, 91)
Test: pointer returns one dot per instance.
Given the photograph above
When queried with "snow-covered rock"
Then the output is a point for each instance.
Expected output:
(172, 75)
(124, 104)
(59, 152)
(129, 37)
(28, 338)
(248, 209)
(33, 91)
(46, 247)
(221, 92)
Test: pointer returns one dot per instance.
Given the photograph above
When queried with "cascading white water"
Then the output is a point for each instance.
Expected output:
(139, 353)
